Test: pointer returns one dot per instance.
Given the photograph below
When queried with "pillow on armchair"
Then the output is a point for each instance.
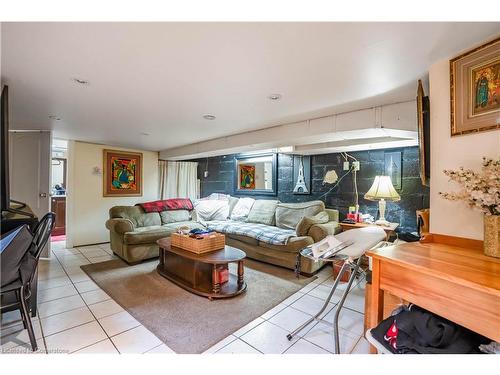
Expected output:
(308, 221)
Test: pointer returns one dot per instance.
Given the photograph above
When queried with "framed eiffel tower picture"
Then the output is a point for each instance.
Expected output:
(301, 174)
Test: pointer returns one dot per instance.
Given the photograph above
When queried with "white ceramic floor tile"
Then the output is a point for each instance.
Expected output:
(103, 258)
(160, 349)
(308, 287)
(66, 320)
(270, 313)
(82, 249)
(76, 274)
(355, 300)
(93, 252)
(238, 347)
(16, 335)
(56, 293)
(53, 283)
(310, 305)
(305, 347)
(362, 347)
(102, 347)
(348, 319)
(86, 286)
(294, 297)
(254, 323)
(268, 338)
(64, 252)
(118, 323)
(220, 344)
(322, 292)
(106, 247)
(95, 296)
(75, 338)
(60, 305)
(136, 340)
(51, 274)
(290, 318)
(105, 308)
(322, 335)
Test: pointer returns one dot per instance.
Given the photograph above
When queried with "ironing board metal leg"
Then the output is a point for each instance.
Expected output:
(344, 268)
(341, 303)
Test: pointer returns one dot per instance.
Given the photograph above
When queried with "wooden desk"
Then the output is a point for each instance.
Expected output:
(448, 276)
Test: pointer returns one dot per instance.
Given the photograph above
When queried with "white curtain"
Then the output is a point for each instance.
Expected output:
(178, 179)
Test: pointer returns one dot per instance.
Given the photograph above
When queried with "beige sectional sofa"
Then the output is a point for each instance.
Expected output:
(133, 233)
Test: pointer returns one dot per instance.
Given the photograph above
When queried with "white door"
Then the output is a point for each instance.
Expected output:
(30, 160)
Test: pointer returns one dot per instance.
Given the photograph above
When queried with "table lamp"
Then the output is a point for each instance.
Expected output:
(381, 190)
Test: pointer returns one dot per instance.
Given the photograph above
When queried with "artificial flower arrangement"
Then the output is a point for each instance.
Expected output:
(480, 190)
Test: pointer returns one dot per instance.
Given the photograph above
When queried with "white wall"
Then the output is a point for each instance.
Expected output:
(450, 217)
(87, 209)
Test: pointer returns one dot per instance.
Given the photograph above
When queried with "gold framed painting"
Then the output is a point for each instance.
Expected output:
(122, 173)
(475, 89)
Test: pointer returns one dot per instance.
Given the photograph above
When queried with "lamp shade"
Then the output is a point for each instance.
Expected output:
(382, 189)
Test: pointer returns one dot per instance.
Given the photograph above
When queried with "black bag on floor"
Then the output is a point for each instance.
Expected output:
(416, 330)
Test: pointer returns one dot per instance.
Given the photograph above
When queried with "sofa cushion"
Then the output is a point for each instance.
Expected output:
(294, 245)
(136, 215)
(149, 234)
(308, 221)
(288, 215)
(262, 212)
(242, 209)
(233, 201)
(211, 209)
(175, 216)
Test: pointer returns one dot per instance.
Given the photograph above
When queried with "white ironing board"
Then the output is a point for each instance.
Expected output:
(361, 240)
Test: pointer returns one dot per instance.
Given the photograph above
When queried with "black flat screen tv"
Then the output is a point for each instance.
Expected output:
(4, 145)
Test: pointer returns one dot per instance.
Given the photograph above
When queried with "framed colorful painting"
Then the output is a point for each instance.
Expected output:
(122, 173)
(247, 177)
(475, 90)
(255, 174)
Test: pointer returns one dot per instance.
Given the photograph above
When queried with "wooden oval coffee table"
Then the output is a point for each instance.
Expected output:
(198, 274)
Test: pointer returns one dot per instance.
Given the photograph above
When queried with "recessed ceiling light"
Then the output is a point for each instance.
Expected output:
(81, 81)
(274, 97)
(209, 117)
(55, 118)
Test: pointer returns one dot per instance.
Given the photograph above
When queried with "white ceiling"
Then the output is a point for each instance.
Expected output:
(160, 78)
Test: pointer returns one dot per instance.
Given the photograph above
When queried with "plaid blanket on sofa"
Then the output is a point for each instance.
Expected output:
(261, 232)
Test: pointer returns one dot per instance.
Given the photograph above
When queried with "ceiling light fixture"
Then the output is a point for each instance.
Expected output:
(55, 118)
(81, 81)
(209, 117)
(274, 97)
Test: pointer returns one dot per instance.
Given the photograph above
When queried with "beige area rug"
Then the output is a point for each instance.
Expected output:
(186, 322)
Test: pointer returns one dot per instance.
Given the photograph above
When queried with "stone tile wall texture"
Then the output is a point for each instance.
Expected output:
(414, 196)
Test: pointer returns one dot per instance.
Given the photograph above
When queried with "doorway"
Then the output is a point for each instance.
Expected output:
(58, 188)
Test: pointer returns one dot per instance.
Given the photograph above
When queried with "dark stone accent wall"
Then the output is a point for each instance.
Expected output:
(414, 196)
